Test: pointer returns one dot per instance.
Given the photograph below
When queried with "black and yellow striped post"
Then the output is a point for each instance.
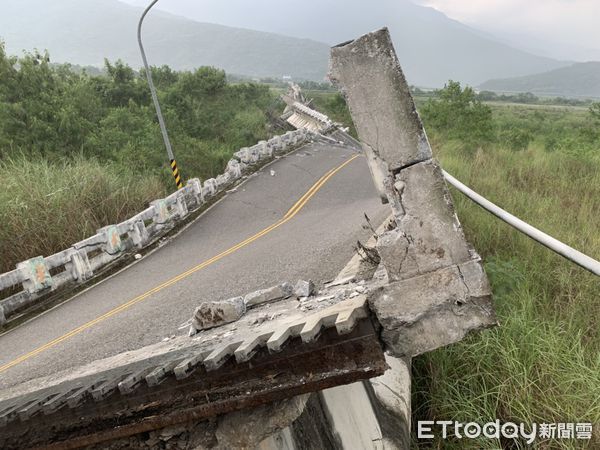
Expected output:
(176, 174)
(161, 120)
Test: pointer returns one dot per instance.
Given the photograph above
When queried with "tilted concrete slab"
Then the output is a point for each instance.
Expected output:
(438, 290)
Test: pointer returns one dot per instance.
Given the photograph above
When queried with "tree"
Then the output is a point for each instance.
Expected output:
(457, 113)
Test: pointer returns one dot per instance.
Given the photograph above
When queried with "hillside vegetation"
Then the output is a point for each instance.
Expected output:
(86, 32)
(578, 80)
(79, 152)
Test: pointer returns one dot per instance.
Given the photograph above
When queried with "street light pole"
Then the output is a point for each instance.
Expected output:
(161, 120)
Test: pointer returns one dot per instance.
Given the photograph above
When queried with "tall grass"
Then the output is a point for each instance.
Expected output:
(46, 207)
(543, 363)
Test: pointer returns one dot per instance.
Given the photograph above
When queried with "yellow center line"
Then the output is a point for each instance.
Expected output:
(288, 216)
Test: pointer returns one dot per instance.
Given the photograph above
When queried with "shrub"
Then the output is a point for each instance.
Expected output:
(458, 114)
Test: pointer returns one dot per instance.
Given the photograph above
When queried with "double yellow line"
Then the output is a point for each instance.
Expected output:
(286, 218)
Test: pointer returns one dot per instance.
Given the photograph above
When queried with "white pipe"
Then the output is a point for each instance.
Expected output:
(553, 244)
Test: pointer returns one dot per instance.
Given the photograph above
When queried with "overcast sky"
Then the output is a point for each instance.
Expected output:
(575, 22)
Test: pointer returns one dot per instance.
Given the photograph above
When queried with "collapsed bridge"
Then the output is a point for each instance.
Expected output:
(293, 366)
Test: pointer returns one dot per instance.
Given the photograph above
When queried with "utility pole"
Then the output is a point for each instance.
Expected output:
(161, 120)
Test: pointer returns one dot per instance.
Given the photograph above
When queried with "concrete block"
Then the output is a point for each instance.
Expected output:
(304, 288)
(264, 150)
(212, 314)
(244, 155)
(36, 275)
(223, 179)
(196, 185)
(369, 75)
(161, 211)
(240, 154)
(138, 233)
(429, 235)
(254, 154)
(181, 207)
(80, 267)
(429, 220)
(210, 186)
(112, 240)
(234, 169)
(433, 310)
(276, 143)
(271, 294)
(289, 138)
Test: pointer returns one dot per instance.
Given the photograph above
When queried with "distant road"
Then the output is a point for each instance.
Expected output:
(154, 298)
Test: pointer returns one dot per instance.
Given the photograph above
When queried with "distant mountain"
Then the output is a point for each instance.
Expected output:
(432, 48)
(578, 80)
(85, 32)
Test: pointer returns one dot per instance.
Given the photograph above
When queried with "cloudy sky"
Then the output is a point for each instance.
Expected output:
(569, 25)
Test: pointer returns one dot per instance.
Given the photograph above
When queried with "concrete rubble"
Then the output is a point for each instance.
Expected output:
(214, 314)
(283, 290)
(304, 288)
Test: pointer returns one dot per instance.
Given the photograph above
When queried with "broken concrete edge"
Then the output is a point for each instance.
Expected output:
(438, 309)
(287, 319)
(43, 301)
(379, 409)
(332, 360)
(212, 314)
(204, 395)
(426, 255)
(398, 147)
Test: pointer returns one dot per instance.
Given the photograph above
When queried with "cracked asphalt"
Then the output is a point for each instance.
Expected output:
(315, 244)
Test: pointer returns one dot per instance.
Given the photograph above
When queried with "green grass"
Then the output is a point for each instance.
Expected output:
(543, 363)
(47, 207)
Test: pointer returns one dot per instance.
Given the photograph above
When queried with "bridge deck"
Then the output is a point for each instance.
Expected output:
(314, 243)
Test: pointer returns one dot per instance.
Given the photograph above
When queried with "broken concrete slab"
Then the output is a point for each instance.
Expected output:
(429, 235)
(214, 314)
(433, 310)
(304, 288)
(429, 302)
(370, 77)
(283, 290)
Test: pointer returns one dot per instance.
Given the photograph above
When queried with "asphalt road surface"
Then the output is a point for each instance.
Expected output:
(154, 298)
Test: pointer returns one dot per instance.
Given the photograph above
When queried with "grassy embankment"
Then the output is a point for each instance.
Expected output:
(543, 363)
(79, 152)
